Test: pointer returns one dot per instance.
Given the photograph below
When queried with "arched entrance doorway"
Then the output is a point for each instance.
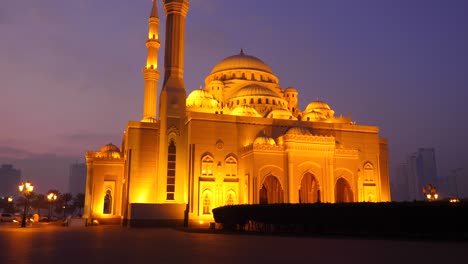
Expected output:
(343, 193)
(271, 191)
(308, 191)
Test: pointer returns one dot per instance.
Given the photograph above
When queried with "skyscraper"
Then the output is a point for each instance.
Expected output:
(417, 171)
(77, 178)
(10, 178)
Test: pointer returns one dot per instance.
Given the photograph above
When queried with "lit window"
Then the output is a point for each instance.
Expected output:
(230, 199)
(171, 170)
(231, 167)
(207, 166)
(206, 203)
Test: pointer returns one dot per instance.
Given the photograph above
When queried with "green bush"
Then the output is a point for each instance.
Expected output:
(415, 219)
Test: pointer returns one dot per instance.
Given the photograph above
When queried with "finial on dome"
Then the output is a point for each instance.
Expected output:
(242, 52)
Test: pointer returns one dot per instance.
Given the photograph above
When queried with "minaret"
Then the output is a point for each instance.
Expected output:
(151, 72)
(173, 90)
(172, 178)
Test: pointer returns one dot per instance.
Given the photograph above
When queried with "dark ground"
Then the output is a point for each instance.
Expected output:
(45, 243)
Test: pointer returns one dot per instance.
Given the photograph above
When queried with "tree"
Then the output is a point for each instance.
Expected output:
(66, 198)
(78, 202)
(38, 202)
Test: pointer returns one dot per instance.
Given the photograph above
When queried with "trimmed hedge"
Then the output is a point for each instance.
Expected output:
(413, 219)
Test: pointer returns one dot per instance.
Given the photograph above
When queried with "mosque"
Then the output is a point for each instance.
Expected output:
(240, 139)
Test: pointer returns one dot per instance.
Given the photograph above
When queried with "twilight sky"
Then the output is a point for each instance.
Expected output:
(70, 71)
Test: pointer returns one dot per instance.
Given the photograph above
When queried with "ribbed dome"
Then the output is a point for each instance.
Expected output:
(245, 110)
(281, 114)
(109, 148)
(298, 131)
(201, 99)
(241, 61)
(254, 90)
(199, 94)
(317, 105)
(264, 140)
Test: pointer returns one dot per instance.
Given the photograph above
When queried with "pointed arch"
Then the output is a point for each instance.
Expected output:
(271, 191)
(107, 209)
(343, 192)
(309, 190)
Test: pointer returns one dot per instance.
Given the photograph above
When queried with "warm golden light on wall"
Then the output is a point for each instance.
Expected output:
(152, 35)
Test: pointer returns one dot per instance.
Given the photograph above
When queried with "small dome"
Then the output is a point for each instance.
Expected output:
(110, 151)
(317, 105)
(290, 90)
(281, 114)
(254, 90)
(245, 110)
(109, 148)
(318, 111)
(216, 82)
(241, 61)
(199, 93)
(201, 98)
(264, 140)
(298, 131)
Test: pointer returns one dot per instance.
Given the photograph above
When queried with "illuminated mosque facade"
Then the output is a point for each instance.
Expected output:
(241, 139)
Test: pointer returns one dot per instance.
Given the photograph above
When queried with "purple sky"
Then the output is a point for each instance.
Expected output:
(70, 71)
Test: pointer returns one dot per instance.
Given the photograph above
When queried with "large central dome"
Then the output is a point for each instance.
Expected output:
(241, 61)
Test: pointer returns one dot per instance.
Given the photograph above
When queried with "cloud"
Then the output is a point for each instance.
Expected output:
(9, 153)
(84, 137)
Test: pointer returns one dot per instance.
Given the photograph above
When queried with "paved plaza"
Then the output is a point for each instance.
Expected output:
(112, 244)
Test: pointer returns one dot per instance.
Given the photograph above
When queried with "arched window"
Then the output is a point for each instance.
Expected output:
(107, 203)
(237, 101)
(267, 101)
(206, 202)
(368, 172)
(231, 198)
(207, 166)
(231, 167)
(259, 100)
(251, 100)
(171, 170)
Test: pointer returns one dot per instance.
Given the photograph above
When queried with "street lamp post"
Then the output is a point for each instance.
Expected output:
(51, 197)
(26, 189)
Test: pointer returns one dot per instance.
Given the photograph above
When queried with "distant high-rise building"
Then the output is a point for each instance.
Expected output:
(426, 167)
(416, 172)
(456, 184)
(10, 178)
(77, 178)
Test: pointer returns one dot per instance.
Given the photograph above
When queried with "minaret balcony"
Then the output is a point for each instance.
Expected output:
(153, 43)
